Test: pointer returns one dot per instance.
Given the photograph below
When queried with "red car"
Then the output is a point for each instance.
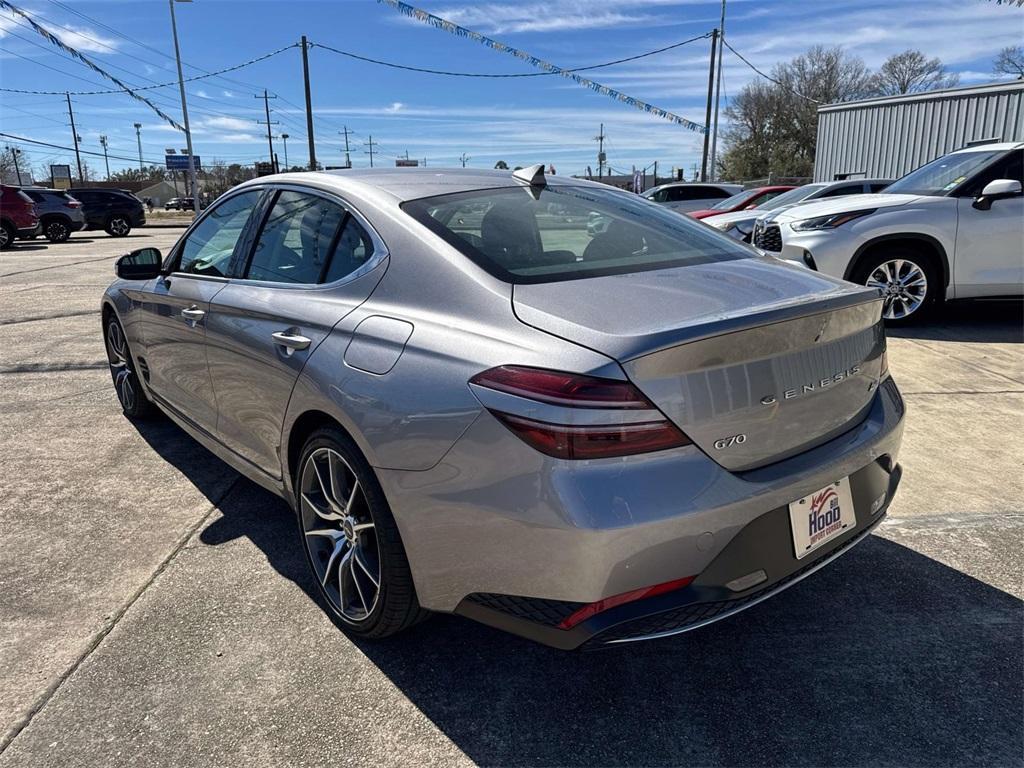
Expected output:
(748, 198)
(17, 215)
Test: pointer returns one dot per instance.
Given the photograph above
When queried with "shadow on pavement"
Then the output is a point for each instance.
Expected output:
(978, 321)
(886, 657)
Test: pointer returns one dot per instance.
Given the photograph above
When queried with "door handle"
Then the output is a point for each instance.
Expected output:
(193, 314)
(290, 341)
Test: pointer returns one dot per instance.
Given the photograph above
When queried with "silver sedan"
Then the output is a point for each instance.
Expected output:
(476, 405)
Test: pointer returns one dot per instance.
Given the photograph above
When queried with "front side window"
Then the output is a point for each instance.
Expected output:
(844, 189)
(297, 240)
(941, 176)
(1010, 167)
(208, 248)
(604, 232)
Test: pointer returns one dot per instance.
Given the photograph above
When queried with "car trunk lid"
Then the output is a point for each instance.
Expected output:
(756, 361)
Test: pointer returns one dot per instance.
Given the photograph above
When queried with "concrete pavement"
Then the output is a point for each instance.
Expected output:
(156, 609)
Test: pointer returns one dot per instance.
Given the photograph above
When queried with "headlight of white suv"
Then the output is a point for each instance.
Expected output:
(830, 221)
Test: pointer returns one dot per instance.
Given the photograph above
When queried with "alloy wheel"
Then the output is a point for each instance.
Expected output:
(904, 287)
(121, 366)
(5, 237)
(119, 226)
(57, 232)
(340, 534)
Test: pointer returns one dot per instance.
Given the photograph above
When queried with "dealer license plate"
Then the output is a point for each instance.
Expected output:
(821, 516)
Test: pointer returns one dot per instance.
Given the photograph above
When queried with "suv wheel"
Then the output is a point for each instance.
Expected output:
(351, 540)
(7, 235)
(57, 231)
(118, 226)
(907, 280)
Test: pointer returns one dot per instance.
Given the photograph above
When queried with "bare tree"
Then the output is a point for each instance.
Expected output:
(911, 72)
(501, 165)
(775, 125)
(1010, 61)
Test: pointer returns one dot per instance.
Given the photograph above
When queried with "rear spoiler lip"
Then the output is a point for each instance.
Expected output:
(816, 304)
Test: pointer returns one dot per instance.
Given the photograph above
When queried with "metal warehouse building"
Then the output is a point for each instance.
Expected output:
(890, 136)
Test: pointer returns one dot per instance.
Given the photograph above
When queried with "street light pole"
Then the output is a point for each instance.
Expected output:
(14, 156)
(106, 160)
(194, 192)
(138, 138)
(284, 138)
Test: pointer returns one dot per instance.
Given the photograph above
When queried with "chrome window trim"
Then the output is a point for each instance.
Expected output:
(380, 250)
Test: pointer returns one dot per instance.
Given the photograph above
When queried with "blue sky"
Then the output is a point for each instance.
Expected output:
(522, 121)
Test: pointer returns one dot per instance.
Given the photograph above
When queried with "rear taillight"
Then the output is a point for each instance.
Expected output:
(571, 416)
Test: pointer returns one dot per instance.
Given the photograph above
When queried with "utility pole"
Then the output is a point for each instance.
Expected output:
(138, 138)
(309, 104)
(14, 156)
(655, 173)
(463, 159)
(270, 139)
(284, 138)
(106, 161)
(345, 132)
(600, 152)
(369, 143)
(74, 135)
(707, 113)
(191, 189)
(712, 173)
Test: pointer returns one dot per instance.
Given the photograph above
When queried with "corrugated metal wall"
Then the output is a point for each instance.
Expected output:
(890, 137)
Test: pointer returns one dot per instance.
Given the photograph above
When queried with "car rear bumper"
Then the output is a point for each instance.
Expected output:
(757, 564)
(496, 518)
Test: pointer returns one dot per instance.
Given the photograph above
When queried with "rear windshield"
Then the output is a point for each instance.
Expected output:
(547, 234)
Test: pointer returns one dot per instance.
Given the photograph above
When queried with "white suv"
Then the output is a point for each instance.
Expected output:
(952, 229)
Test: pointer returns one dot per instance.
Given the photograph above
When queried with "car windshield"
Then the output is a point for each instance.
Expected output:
(942, 175)
(512, 234)
(735, 200)
(792, 196)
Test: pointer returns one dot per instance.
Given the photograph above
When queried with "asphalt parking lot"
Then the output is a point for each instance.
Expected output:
(156, 610)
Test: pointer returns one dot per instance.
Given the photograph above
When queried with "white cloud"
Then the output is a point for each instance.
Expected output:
(202, 94)
(228, 94)
(227, 123)
(237, 138)
(394, 108)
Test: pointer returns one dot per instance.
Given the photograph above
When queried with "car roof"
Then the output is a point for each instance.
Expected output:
(998, 146)
(716, 184)
(854, 181)
(412, 183)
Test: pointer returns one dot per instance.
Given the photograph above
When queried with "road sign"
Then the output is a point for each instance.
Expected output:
(407, 163)
(264, 169)
(60, 176)
(180, 162)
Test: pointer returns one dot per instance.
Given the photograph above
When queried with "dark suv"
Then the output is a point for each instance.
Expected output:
(59, 213)
(17, 215)
(113, 210)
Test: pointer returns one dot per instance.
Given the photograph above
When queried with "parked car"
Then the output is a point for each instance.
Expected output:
(59, 213)
(621, 438)
(18, 216)
(180, 204)
(748, 199)
(740, 224)
(685, 196)
(113, 210)
(952, 229)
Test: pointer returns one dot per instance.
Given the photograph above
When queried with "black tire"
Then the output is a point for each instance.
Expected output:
(395, 607)
(133, 399)
(118, 226)
(7, 235)
(882, 262)
(57, 230)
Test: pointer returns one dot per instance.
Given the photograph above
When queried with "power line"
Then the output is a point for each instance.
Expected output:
(767, 77)
(146, 87)
(427, 70)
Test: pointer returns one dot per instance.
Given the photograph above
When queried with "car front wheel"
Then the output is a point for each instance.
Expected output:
(57, 231)
(7, 235)
(118, 226)
(908, 283)
(351, 540)
(134, 402)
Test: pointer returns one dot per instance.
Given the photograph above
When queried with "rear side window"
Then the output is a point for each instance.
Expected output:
(844, 189)
(512, 234)
(878, 186)
(297, 240)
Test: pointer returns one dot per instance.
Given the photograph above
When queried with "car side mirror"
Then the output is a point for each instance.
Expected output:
(143, 264)
(999, 189)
